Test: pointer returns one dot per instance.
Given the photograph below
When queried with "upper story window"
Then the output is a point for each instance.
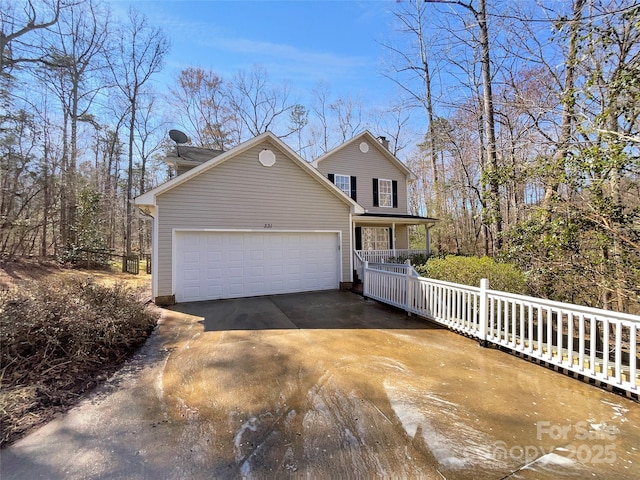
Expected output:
(343, 182)
(385, 193)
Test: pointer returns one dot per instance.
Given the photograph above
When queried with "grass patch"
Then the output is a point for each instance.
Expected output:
(60, 337)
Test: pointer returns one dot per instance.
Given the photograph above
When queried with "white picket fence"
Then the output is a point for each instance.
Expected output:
(599, 344)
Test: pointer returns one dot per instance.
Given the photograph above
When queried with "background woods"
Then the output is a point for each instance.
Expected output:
(520, 120)
(531, 151)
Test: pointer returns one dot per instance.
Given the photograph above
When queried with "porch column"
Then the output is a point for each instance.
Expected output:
(428, 237)
(393, 235)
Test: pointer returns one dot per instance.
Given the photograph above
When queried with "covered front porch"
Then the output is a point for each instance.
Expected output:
(384, 238)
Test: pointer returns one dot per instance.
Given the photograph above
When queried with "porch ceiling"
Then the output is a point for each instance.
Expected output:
(385, 219)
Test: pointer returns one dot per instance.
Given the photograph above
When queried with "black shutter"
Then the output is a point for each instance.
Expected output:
(394, 189)
(375, 192)
(353, 189)
(358, 238)
(331, 177)
(390, 238)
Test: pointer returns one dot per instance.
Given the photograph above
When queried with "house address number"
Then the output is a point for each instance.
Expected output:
(268, 225)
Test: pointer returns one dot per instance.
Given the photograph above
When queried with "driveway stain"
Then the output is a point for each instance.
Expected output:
(330, 385)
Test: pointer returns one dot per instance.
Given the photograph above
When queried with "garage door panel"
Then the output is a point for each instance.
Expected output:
(212, 265)
(213, 254)
(236, 255)
(235, 290)
(191, 274)
(235, 273)
(215, 291)
(257, 271)
(214, 274)
(276, 253)
(192, 292)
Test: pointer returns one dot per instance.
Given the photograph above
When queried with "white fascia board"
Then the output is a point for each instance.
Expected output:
(146, 199)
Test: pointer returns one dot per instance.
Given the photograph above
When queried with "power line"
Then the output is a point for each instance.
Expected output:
(563, 19)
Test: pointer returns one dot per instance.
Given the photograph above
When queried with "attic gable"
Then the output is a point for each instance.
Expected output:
(269, 141)
(380, 144)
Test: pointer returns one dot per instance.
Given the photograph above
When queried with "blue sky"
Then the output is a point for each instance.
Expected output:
(298, 42)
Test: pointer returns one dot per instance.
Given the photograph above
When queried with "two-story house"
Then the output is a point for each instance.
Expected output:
(365, 170)
(260, 220)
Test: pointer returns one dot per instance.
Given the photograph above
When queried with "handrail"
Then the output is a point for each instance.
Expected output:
(358, 263)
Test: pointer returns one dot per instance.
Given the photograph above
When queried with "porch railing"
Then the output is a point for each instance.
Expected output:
(358, 264)
(599, 344)
(387, 256)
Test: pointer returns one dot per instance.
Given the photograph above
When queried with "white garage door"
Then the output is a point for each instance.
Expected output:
(213, 265)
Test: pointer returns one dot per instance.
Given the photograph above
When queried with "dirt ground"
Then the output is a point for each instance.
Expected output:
(13, 272)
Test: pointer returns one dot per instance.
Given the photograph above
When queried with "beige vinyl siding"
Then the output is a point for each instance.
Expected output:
(240, 193)
(402, 237)
(365, 167)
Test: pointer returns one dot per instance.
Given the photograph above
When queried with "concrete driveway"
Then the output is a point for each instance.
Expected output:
(329, 385)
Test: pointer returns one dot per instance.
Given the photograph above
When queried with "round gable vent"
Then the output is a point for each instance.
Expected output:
(364, 147)
(267, 158)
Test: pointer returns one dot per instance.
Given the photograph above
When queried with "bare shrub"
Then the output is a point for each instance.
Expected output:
(59, 337)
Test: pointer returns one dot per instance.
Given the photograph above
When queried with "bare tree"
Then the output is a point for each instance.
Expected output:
(412, 73)
(257, 103)
(149, 132)
(298, 119)
(17, 186)
(18, 22)
(74, 64)
(199, 102)
(491, 172)
(393, 122)
(348, 114)
(320, 136)
(138, 53)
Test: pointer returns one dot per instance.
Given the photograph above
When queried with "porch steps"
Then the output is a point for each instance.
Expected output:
(357, 286)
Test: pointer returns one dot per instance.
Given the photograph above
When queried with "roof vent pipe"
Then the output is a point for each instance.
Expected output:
(384, 142)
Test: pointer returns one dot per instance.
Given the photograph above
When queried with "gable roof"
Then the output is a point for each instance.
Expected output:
(149, 198)
(366, 135)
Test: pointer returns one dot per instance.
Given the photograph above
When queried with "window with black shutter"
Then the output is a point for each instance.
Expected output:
(376, 201)
(394, 193)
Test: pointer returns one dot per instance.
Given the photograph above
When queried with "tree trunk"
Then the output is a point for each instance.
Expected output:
(73, 162)
(129, 206)
(64, 184)
(568, 100)
(141, 221)
(490, 133)
(45, 205)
